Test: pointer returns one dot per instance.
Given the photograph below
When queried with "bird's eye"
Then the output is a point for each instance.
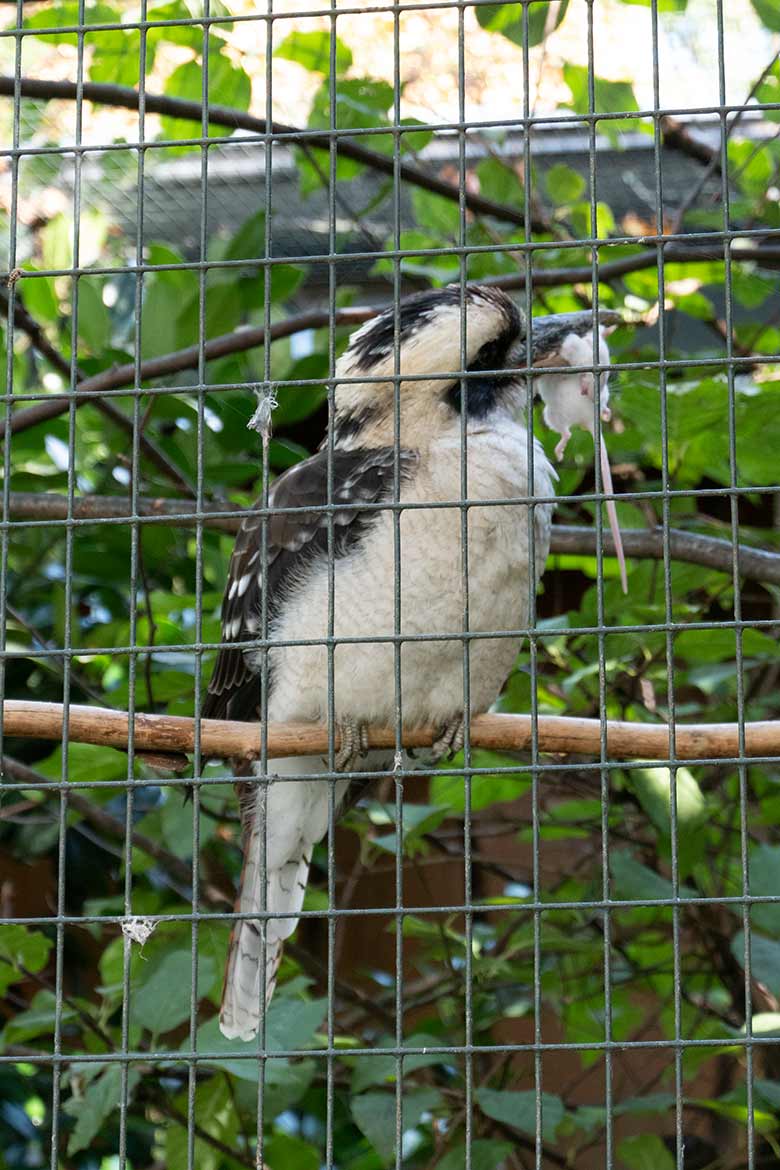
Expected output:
(490, 356)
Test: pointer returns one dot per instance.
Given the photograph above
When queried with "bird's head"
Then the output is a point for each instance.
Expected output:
(424, 338)
(428, 342)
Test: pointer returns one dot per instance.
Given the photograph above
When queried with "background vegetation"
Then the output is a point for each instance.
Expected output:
(566, 975)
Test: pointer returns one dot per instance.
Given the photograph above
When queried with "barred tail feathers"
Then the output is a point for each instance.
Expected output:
(296, 813)
(243, 1001)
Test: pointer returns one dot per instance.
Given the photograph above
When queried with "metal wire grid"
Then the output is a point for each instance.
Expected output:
(604, 767)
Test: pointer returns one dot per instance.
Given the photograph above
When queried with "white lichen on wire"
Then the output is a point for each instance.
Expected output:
(261, 420)
(138, 930)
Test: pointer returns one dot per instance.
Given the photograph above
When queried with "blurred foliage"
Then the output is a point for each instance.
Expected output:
(667, 833)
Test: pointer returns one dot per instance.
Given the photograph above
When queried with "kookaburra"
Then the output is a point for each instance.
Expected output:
(428, 379)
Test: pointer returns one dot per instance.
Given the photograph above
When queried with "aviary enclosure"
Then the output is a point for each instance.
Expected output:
(559, 947)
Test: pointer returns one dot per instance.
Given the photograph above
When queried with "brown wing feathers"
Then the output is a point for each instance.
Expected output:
(297, 534)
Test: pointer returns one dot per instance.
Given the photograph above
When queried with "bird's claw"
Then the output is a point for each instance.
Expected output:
(449, 740)
(353, 745)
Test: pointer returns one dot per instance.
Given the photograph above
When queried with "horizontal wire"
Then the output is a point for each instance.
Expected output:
(254, 125)
(516, 906)
(182, 1056)
(521, 769)
(535, 633)
(694, 240)
(208, 21)
(416, 505)
(242, 137)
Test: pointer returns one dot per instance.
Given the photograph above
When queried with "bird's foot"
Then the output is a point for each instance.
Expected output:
(449, 740)
(560, 446)
(353, 745)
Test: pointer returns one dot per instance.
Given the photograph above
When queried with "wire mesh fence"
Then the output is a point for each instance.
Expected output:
(331, 288)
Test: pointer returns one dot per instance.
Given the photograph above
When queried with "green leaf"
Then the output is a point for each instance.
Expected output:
(312, 50)
(101, 1099)
(485, 1154)
(498, 180)
(752, 166)
(164, 300)
(418, 819)
(162, 1001)
(21, 947)
(645, 1152)
(764, 870)
(40, 297)
(97, 763)
(733, 1106)
(768, 92)
(486, 791)
(768, 12)
(290, 1153)
(379, 1069)
(610, 97)
(375, 1115)
(215, 1113)
(764, 958)
(117, 57)
(564, 184)
(228, 85)
(663, 5)
(94, 322)
(581, 215)
(56, 240)
(441, 216)
(38, 1020)
(361, 102)
(508, 20)
(291, 1024)
(765, 1023)
(632, 880)
(63, 15)
(518, 1109)
(653, 788)
(189, 35)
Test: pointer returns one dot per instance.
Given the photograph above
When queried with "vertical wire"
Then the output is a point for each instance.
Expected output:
(331, 780)
(397, 602)
(9, 365)
(67, 637)
(600, 620)
(468, 924)
(738, 629)
(666, 521)
(533, 646)
(264, 778)
(135, 537)
(197, 762)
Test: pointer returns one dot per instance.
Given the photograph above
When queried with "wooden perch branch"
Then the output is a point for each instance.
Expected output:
(754, 564)
(225, 739)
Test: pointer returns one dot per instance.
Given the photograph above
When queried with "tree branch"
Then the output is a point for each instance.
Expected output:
(28, 325)
(127, 98)
(226, 739)
(103, 820)
(192, 111)
(677, 136)
(755, 564)
(674, 253)
(116, 377)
